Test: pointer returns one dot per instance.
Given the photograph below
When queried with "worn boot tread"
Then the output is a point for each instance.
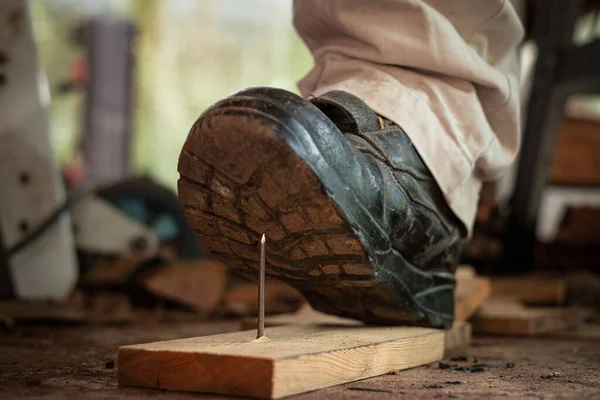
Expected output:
(232, 196)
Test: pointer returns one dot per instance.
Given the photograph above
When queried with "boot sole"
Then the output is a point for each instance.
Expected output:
(239, 179)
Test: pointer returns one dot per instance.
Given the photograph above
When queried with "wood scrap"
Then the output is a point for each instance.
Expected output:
(580, 227)
(198, 284)
(43, 312)
(588, 332)
(583, 289)
(241, 298)
(531, 289)
(6, 321)
(471, 291)
(109, 308)
(79, 308)
(465, 273)
(295, 359)
(576, 158)
(115, 271)
(509, 317)
(458, 337)
(110, 271)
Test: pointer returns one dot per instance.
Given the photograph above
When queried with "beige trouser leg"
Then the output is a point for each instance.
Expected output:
(444, 70)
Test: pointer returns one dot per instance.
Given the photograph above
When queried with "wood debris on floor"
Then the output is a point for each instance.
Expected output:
(199, 287)
(112, 289)
(307, 349)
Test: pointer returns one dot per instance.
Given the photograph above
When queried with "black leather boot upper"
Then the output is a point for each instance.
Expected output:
(391, 180)
(395, 185)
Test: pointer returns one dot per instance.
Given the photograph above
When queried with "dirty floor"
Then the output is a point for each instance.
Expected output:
(57, 362)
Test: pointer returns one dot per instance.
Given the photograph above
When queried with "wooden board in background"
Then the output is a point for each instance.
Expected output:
(533, 289)
(577, 155)
(471, 291)
(458, 337)
(296, 359)
(241, 298)
(43, 312)
(198, 284)
(509, 317)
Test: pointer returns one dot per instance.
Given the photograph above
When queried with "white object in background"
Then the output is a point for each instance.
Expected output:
(30, 184)
(555, 201)
(102, 228)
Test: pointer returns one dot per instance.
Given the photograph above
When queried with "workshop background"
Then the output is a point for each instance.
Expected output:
(188, 54)
(525, 327)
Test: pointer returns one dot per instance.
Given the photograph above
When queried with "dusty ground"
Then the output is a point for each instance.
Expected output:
(52, 362)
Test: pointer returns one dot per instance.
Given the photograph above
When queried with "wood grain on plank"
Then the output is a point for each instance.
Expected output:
(295, 359)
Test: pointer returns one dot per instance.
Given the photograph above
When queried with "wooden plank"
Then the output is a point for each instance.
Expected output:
(458, 337)
(241, 298)
(534, 290)
(43, 312)
(97, 308)
(471, 291)
(198, 284)
(580, 223)
(111, 271)
(509, 317)
(109, 308)
(576, 157)
(295, 359)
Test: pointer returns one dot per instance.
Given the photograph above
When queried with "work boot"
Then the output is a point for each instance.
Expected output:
(353, 218)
